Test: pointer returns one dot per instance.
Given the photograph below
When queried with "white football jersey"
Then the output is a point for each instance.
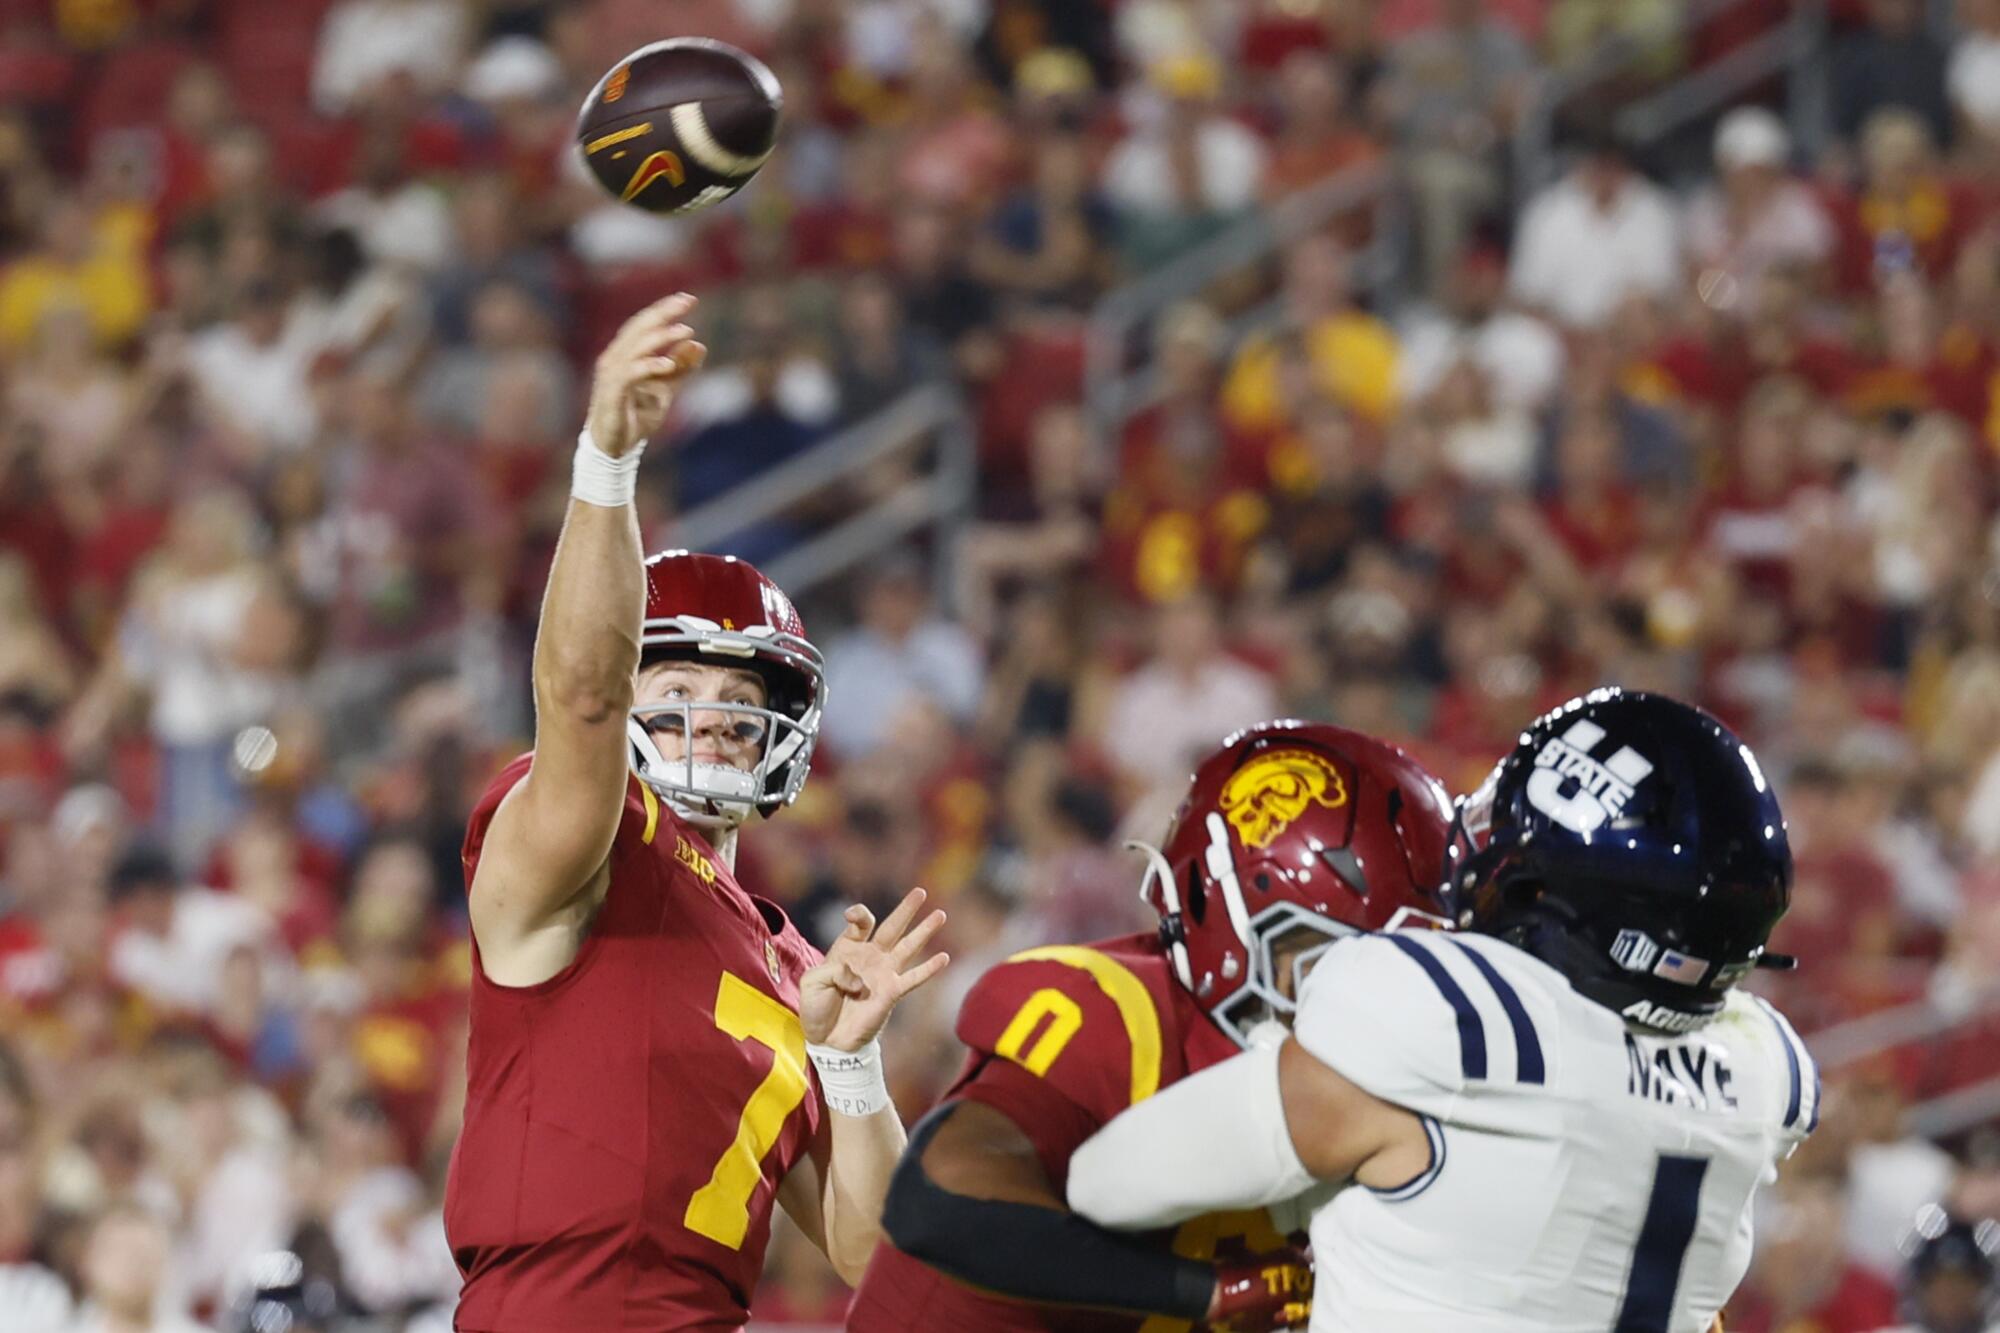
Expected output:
(1585, 1176)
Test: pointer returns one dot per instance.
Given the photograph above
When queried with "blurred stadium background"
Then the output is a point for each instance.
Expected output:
(1099, 375)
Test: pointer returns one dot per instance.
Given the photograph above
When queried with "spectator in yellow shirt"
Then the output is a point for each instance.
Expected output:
(1352, 356)
(92, 262)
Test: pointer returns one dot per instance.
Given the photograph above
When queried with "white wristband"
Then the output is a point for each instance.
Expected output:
(852, 1081)
(599, 479)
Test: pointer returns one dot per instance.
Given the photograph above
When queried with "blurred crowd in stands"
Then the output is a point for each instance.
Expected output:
(296, 303)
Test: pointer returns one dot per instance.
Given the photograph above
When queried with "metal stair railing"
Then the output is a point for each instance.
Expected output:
(1115, 389)
(1859, 1039)
(1955, 1112)
(932, 419)
(1789, 48)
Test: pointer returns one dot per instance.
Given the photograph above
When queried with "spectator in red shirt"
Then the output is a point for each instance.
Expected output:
(1844, 903)
(1923, 363)
(959, 148)
(1907, 214)
(852, 229)
(1765, 331)
(1590, 509)
(409, 1004)
(1752, 522)
(1317, 136)
(404, 534)
(1177, 519)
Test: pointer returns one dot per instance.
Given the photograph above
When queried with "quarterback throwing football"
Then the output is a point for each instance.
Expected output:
(1554, 1121)
(656, 1055)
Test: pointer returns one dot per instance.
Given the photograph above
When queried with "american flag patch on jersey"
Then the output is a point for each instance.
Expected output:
(1675, 966)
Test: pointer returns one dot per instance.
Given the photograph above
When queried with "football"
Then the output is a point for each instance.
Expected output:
(680, 124)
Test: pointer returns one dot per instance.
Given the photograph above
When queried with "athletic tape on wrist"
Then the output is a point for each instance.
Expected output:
(852, 1081)
(599, 479)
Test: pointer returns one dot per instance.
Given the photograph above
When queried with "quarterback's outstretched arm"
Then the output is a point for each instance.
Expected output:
(1254, 1130)
(549, 840)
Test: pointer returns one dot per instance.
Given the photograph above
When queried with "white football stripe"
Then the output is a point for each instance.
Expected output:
(692, 127)
(714, 194)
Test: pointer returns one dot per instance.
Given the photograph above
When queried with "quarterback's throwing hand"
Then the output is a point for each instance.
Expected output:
(845, 1000)
(632, 385)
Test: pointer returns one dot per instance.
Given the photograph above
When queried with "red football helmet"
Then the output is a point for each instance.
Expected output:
(1293, 835)
(721, 610)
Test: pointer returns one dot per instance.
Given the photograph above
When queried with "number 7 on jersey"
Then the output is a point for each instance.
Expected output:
(720, 1210)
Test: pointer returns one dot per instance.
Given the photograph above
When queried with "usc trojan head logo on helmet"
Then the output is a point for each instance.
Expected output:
(1262, 798)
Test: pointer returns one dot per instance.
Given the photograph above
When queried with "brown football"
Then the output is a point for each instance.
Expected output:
(680, 124)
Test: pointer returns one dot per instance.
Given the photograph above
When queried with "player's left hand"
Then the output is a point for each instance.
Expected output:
(845, 1001)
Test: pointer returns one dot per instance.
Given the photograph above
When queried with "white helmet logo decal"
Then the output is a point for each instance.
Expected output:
(1602, 788)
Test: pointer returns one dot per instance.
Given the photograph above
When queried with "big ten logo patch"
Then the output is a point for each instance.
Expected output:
(690, 856)
(1576, 789)
(614, 87)
(1267, 795)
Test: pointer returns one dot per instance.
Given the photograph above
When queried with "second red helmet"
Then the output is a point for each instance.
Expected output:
(1292, 835)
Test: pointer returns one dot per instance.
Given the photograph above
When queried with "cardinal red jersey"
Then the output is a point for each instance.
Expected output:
(628, 1121)
(1062, 1039)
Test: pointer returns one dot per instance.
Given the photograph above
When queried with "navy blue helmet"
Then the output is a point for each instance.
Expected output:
(1952, 1282)
(1631, 842)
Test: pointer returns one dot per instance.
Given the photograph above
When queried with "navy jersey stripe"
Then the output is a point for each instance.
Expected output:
(1527, 1046)
(1810, 1065)
(1424, 1179)
(1797, 1086)
(1471, 1032)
